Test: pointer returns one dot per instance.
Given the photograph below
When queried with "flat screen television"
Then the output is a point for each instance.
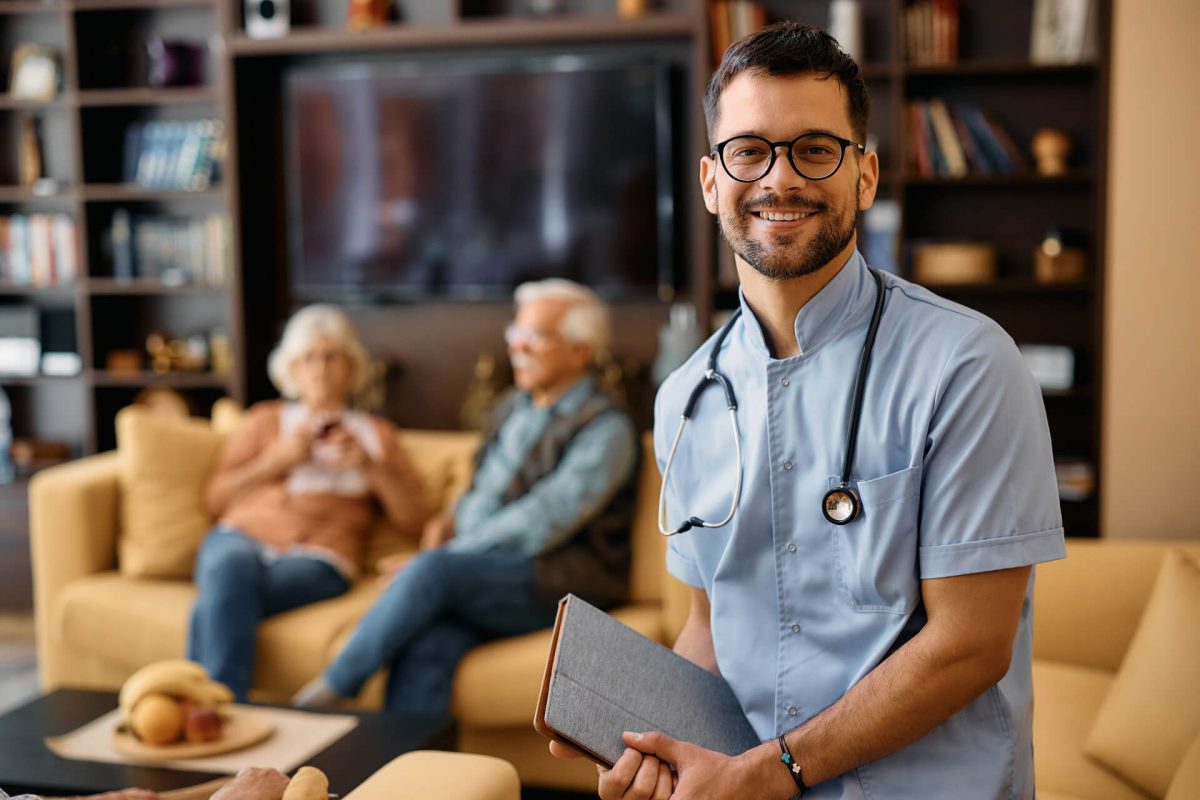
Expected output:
(463, 177)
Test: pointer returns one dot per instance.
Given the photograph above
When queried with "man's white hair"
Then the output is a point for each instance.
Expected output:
(587, 319)
(299, 335)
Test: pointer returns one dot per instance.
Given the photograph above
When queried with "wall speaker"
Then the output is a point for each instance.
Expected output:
(267, 19)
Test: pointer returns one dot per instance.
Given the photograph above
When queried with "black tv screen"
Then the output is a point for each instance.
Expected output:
(461, 178)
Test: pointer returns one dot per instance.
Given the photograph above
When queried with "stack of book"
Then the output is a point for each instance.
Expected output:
(953, 142)
(731, 20)
(173, 250)
(174, 155)
(931, 32)
(38, 250)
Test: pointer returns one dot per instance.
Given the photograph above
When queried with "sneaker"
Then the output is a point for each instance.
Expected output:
(317, 695)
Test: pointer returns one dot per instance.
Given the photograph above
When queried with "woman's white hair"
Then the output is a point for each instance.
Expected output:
(299, 335)
(587, 318)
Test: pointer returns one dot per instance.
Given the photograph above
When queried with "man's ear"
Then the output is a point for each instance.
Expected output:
(708, 183)
(868, 179)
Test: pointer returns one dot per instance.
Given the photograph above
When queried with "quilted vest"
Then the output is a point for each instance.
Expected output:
(594, 562)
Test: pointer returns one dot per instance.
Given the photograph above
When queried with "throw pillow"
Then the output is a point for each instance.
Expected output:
(165, 466)
(1152, 712)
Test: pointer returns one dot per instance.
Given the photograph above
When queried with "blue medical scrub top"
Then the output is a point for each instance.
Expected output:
(956, 476)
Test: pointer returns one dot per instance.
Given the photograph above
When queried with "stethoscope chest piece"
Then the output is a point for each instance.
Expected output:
(841, 505)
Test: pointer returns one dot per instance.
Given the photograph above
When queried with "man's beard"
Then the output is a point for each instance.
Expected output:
(781, 261)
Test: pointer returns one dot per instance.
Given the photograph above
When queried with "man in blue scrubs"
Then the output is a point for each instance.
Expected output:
(891, 654)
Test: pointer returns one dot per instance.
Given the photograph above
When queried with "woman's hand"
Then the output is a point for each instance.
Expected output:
(348, 452)
(293, 447)
(254, 783)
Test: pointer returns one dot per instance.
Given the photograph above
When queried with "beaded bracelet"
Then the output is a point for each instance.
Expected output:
(785, 756)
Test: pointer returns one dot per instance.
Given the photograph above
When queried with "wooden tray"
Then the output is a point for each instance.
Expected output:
(241, 730)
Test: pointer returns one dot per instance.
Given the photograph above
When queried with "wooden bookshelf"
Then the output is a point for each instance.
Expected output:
(175, 380)
(145, 96)
(104, 90)
(146, 286)
(245, 89)
(468, 33)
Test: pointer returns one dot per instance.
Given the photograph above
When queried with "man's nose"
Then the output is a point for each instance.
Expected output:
(782, 176)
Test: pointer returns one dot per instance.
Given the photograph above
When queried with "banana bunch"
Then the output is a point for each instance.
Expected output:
(184, 680)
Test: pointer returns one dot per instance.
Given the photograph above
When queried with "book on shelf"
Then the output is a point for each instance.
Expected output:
(168, 154)
(931, 32)
(174, 250)
(37, 250)
(730, 20)
(947, 139)
(960, 140)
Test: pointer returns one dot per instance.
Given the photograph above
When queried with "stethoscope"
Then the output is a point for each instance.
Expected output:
(840, 505)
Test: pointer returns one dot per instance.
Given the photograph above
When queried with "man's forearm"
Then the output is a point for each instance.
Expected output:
(916, 689)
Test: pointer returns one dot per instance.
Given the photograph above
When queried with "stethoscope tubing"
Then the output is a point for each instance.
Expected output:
(713, 375)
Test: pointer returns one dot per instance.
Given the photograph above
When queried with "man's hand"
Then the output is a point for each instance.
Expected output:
(438, 530)
(254, 783)
(389, 567)
(701, 773)
(635, 776)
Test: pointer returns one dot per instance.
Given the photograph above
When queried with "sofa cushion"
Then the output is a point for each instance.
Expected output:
(298, 644)
(131, 622)
(1065, 701)
(1152, 713)
(165, 466)
(1186, 783)
(497, 684)
(127, 621)
(1087, 605)
(428, 773)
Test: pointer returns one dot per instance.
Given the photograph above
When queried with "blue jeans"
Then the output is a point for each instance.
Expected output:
(238, 587)
(437, 608)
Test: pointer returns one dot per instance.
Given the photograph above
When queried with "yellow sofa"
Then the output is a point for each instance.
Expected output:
(95, 625)
(1087, 609)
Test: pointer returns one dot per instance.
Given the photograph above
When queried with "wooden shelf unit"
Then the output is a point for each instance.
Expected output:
(99, 97)
(1011, 211)
(245, 90)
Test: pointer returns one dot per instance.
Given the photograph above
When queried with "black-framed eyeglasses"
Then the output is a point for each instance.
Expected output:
(814, 156)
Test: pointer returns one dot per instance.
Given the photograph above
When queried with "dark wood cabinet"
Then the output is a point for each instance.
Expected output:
(105, 91)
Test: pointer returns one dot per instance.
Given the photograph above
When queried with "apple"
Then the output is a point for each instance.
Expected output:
(202, 724)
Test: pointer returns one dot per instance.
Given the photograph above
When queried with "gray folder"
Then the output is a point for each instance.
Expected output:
(603, 678)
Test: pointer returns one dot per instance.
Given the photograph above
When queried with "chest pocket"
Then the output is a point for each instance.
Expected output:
(876, 555)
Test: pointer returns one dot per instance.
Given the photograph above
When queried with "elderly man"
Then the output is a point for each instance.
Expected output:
(548, 512)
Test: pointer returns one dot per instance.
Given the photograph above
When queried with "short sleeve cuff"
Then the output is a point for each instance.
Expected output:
(683, 568)
(986, 555)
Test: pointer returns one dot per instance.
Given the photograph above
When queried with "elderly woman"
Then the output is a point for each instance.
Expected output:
(293, 494)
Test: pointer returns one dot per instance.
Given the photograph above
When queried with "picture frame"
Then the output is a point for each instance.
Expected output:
(34, 72)
(1063, 31)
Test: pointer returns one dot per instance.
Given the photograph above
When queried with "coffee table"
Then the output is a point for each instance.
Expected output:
(27, 766)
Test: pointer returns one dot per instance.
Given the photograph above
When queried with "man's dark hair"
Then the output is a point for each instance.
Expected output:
(790, 48)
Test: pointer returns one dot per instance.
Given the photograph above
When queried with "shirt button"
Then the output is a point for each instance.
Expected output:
(791, 548)
(793, 711)
(787, 465)
(784, 382)
(795, 629)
